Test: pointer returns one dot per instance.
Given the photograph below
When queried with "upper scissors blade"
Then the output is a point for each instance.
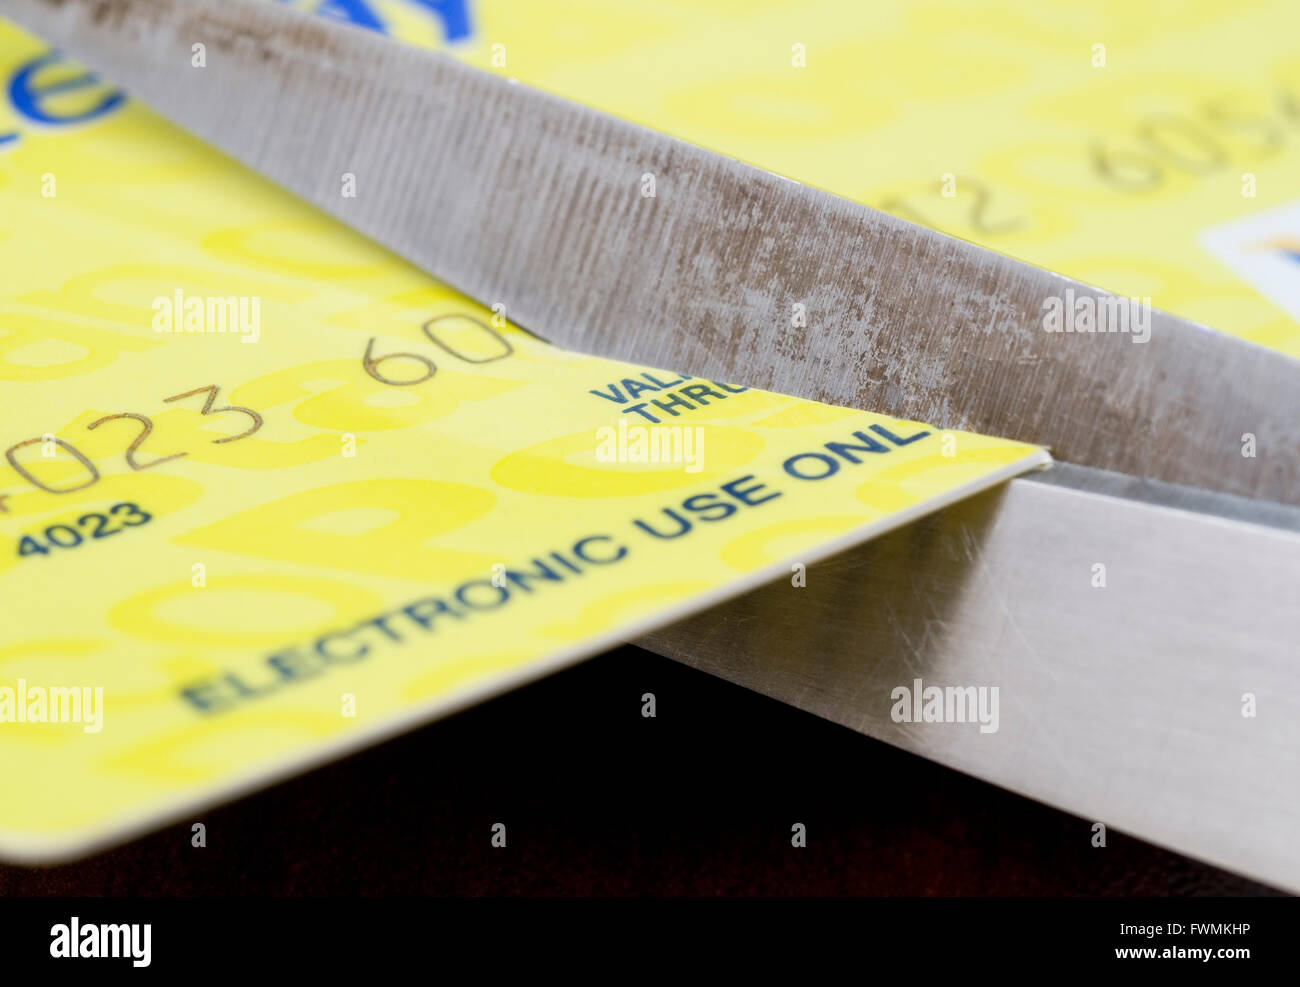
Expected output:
(609, 238)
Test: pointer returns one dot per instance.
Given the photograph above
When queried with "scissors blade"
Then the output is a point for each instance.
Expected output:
(519, 198)
(1129, 703)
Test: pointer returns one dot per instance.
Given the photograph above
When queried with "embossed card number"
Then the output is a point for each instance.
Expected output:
(462, 337)
(439, 330)
(146, 427)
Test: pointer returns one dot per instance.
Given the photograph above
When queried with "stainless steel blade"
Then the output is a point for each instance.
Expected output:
(518, 197)
(1124, 704)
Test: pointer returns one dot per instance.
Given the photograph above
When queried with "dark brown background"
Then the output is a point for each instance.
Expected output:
(598, 800)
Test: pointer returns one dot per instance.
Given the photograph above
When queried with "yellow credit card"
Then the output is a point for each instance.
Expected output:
(269, 494)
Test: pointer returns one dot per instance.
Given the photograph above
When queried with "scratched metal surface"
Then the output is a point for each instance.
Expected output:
(515, 196)
(1121, 704)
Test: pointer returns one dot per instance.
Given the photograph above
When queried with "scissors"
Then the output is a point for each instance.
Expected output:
(1137, 604)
